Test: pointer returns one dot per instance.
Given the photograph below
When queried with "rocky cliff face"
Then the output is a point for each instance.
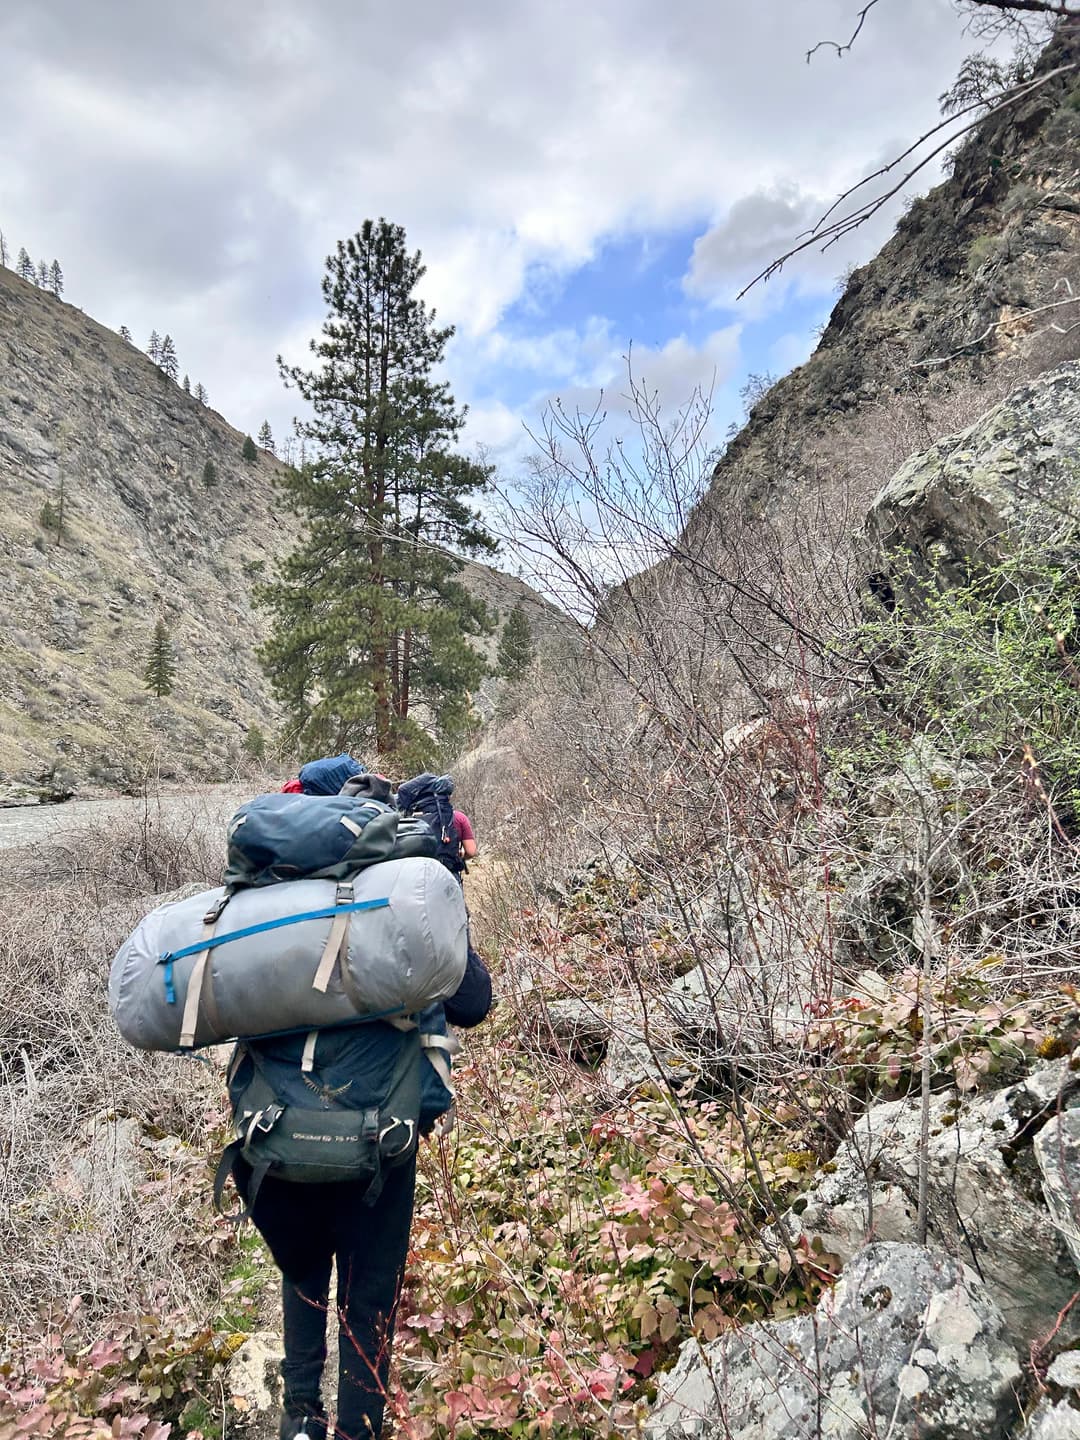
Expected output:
(87, 422)
(962, 281)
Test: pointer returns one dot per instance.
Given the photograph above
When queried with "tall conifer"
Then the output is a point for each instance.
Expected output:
(160, 669)
(516, 650)
(371, 622)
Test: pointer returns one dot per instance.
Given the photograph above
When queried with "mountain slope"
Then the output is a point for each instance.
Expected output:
(144, 539)
(84, 413)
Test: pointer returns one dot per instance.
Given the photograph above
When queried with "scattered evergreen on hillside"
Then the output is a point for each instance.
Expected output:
(125, 334)
(209, 474)
(200, 393)
(516, 649)
(153, 347)
(266, 438)
(185, 385)
(370, 618)
(170, 366)
(43, 275)
(249, 451)
(255, 744)
(160, 671)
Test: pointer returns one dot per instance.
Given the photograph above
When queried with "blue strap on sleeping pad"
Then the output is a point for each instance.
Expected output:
(215, 940)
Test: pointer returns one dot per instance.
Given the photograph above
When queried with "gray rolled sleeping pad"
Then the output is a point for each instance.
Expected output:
(298, 955)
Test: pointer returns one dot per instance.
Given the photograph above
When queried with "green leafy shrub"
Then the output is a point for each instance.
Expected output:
(112, 1387)
(988, 670)
(976, 1036)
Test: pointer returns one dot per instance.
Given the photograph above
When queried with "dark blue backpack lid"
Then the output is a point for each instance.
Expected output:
(328, 775)
(413, 793)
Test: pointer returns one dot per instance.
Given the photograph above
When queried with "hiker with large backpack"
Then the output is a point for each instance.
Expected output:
(308, 1226)
(336, 951)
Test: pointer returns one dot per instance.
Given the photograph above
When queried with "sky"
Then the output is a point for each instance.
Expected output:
(586, 181)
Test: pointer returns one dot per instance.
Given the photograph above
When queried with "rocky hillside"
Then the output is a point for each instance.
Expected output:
(86, 417)
(89, 424)
(962, 280)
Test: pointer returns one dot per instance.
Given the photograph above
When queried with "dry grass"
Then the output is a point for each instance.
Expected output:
(96, 1204)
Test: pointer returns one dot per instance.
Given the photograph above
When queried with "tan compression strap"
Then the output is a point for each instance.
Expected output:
(337, 941)
(438, 1048)
(307, 1060)
(196, 981)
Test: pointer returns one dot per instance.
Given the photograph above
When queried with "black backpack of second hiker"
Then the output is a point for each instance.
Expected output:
(427, 797)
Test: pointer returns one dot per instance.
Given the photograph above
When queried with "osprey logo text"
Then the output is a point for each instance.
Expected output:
(325, 1139)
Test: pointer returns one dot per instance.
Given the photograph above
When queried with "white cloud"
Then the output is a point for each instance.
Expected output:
(191, 165)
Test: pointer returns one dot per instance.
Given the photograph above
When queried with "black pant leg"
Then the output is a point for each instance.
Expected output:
(295, 1222)
(372, 1245)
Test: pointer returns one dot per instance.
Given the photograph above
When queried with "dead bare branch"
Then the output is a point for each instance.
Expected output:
(826, 232)
(840, 49)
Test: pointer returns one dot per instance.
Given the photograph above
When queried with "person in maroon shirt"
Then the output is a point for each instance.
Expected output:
(463, 826)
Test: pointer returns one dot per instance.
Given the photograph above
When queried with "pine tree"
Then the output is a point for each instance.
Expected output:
(43, 275)
(516, 650)
(24, 266)
(56, 279)
(186, 385)
(266, 438)
(370, 618)
(161, 667)
(248, 450)
(51, 518)
(200, 394)
(4, 256)
(153, 348)
(255, 744)
(170, 366)
(125, 334)
(209, 474)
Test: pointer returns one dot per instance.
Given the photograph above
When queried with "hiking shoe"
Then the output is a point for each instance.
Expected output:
(303, 1424)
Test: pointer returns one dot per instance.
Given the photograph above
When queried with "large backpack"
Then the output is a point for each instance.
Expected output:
(427, 797)
(318, 837)
(346, 1103)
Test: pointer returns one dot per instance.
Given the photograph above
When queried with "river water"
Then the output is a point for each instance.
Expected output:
(41, 824)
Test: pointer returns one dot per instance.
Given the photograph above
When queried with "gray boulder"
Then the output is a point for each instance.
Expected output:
(908, 1343)
(984, 1201)
(1064, 1370)
(1057, 1150)
(1012, 479)
(1053, 1422)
